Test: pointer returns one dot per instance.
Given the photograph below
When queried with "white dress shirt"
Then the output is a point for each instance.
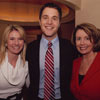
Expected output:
(43, 49)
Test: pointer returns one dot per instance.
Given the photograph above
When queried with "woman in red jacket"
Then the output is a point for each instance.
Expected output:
(85, 83)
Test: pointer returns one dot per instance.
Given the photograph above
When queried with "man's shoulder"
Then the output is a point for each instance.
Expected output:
(33, 43)
(64, 39)
(65, 42)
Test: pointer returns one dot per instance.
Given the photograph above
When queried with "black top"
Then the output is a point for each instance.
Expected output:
(80, 78)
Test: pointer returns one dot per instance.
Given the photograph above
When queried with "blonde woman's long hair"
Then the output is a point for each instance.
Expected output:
(3, 46)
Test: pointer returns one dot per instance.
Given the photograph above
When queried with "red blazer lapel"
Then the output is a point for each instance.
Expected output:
(94, 68)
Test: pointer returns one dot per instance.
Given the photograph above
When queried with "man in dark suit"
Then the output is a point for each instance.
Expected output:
(49, 19)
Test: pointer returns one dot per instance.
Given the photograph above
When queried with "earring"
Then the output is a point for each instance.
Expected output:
(6, 45)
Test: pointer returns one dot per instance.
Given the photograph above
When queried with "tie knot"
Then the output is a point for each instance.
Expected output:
(49, 44)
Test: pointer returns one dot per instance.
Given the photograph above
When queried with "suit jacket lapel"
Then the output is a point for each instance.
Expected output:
(37, 67)
(61, 65)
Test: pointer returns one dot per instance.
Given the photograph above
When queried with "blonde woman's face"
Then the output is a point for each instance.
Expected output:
(15, 43)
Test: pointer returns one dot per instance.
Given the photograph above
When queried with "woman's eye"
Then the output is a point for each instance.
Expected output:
(78, 38)
(11, 38)
(20, 38)
(87, 38)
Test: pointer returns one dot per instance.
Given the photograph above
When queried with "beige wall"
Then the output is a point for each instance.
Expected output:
(85, 11)
(75, 4)
(89, 12)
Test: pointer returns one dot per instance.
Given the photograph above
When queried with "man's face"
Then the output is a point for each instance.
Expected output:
(49, 23)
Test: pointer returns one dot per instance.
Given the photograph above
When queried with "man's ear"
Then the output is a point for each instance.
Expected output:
(59, 24)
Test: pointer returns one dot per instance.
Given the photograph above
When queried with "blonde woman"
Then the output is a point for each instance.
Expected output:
(13, 67)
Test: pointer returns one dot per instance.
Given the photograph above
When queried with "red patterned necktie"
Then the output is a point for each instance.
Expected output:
(49, 74)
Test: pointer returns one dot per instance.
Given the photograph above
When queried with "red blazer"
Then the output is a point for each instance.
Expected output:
(89, 88)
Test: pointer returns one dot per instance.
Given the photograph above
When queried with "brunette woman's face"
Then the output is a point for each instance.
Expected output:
(83, 43)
